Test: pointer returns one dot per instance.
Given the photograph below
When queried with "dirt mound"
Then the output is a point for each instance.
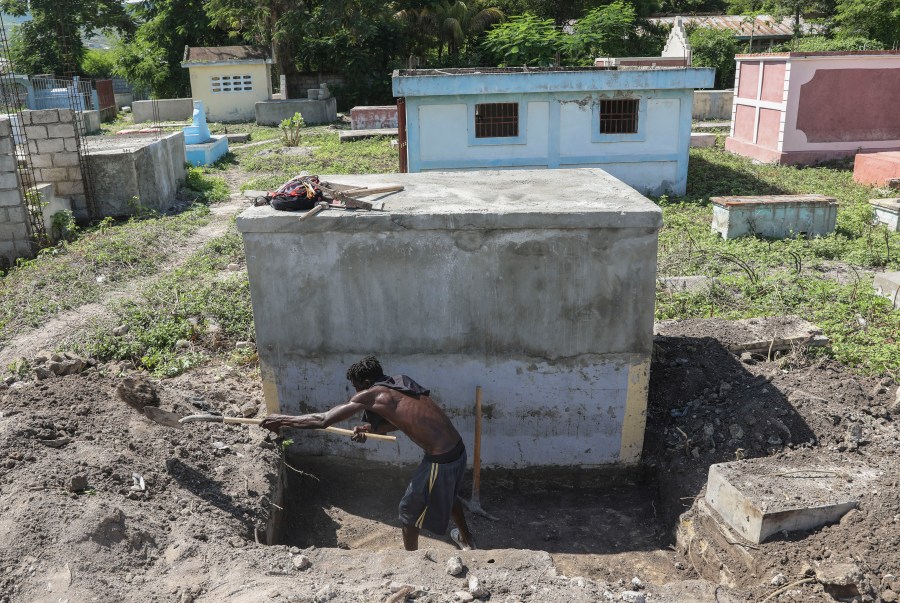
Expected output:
(706, 406)
(143, 494)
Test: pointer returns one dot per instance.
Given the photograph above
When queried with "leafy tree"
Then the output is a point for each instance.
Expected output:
(275, 23)
(50, 42)
(98, 64)
(357, 38)
(875, 19)
(601, 32)
(715, 48)
(823, 43)
(452, 24)
(151, 58)
(524, 40)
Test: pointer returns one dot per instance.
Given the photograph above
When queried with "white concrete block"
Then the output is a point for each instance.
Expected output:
(53, 145)
(65, 159)
(888, 285)
(36, 132)
(44, 116)
(703, 139)
(887, 212)
(61, 130)
(9, 181)
(764, 496)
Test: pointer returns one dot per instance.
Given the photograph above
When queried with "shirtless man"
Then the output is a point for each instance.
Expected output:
(389, 404)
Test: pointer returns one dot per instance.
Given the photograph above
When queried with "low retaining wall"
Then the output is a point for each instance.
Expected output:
(373, 118)
(271, 113)
(170, 109)
(713, 105)
(136, 170)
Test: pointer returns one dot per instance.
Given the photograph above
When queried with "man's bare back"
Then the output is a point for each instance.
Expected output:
(389, 404)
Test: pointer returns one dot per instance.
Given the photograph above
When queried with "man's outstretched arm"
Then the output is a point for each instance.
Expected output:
(357, 404)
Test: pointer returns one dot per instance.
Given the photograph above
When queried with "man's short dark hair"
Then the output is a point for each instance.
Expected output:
(367, 369)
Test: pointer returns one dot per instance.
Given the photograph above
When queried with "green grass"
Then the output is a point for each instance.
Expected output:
(758, 277)
(74, 273)
(328, 156)
(198, 303)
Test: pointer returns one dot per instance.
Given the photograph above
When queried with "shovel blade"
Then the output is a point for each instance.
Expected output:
(163, 417)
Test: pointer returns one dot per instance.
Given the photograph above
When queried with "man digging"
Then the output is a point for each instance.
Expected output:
(389, 404)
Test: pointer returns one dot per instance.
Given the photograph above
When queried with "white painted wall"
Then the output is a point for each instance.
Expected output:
(558, 132)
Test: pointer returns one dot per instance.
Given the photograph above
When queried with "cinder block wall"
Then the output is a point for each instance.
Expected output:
(15, 232)
(54, 154)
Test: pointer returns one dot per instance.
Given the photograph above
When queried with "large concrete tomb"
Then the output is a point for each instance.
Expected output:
(536, 285)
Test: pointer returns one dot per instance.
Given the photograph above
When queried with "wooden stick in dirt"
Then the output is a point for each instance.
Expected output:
(476, 454)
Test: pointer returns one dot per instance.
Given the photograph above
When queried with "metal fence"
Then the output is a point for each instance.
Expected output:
(63, 93)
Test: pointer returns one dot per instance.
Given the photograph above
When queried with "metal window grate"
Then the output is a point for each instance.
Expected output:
(496, 120)
(619, 116)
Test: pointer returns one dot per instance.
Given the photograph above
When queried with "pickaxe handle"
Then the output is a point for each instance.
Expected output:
(338, 430)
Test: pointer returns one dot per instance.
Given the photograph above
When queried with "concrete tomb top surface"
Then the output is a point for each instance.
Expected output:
(746, 201)
(502, 199)
(786, 484)
(892, 203)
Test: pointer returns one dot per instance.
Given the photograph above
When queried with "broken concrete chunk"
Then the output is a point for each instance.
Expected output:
(761, 497)
(301, 562)
(632, 596)
(478, 591)
(464, 595)
(454, 566)
(77, 483)
(56, 443)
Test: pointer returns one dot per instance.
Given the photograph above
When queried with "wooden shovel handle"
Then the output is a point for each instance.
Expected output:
(365, 191)
(338, 430)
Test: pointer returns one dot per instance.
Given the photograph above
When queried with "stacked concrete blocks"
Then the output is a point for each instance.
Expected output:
(15, 232)
(54, 153)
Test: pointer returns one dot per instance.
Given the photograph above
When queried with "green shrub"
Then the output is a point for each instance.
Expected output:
(714, 48)
(290, 130)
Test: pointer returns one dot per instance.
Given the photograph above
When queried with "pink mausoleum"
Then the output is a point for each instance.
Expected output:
(807, 107)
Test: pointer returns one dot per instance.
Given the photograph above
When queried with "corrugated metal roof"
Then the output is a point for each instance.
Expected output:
(762, 26)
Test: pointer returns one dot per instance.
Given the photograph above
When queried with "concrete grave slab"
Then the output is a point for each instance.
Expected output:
(888, 285)
(703, 139)
(876, 169)
(755, 335)
(774, 216)
(348, 135)
(685, 284)
(373, 117)
(764, 496)
(887, 212)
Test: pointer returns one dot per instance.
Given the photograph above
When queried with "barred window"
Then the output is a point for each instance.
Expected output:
(232, 83)
(619, 116)
(496, 120)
